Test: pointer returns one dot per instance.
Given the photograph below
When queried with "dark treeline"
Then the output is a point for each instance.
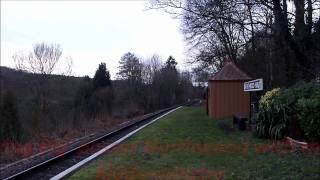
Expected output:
(35, 103)
(22, 116)
(277, 40)
(140, 87)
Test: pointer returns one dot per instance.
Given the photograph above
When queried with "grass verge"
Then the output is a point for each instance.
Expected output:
(189, 145)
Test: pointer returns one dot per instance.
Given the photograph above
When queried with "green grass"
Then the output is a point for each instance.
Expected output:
(188, 144)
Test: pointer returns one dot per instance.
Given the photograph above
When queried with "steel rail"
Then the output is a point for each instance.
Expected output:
(163, 112)
(100, 152)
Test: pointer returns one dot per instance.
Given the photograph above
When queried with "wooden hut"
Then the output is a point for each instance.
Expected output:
(225, 92)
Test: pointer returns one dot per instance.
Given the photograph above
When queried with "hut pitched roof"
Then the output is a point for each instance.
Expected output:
(230, 72)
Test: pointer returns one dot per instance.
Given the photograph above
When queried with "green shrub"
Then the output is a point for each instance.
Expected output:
(309, 116)
(291, 111)
(272, 118)
(298, 91)
(266, 100)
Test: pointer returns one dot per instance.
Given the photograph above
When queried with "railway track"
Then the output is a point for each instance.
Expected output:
(66, 162)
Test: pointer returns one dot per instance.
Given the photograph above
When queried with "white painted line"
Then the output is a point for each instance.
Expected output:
(81, 163)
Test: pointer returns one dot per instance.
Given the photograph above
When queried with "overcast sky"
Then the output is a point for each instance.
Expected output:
(90, 31)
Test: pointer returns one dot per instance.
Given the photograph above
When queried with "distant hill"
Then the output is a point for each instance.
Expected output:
(22, 84)
(61, 93)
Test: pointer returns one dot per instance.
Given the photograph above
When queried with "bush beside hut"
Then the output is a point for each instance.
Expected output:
(290, 112)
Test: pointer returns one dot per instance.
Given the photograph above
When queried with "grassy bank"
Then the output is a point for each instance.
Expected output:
(188, 144)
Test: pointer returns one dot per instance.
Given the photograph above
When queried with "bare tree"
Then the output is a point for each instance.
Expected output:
(42, 60)
(229, 29)
(150, 67)
(130, 70)
(216, 29)
(69, 65)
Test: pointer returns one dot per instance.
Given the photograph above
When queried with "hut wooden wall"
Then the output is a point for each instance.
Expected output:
(226, 98)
